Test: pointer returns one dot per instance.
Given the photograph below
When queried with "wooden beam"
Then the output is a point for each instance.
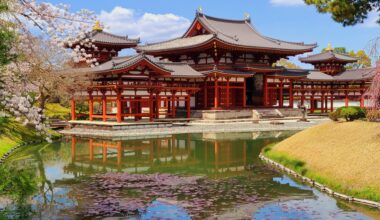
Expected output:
(73, 113)
(188, 113)
(216, 93)
(104, 106)
(228, 92)
(291, 97)
(281, 101)
(90, 106)
(266, 92)
(118, 106)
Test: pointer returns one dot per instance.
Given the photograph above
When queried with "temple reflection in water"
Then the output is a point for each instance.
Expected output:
(212, 154)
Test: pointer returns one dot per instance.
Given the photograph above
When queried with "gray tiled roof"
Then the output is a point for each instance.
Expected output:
(176, 69)
(108, 38)
(328, 55)
(237, 33)
(180, 69)
(357, 74)
(316, 75)
(177, 43)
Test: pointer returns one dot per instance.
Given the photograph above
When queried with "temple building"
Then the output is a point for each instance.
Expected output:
(216, 65)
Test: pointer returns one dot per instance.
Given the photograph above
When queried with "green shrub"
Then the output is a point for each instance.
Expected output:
(348, 113)
(351, 113)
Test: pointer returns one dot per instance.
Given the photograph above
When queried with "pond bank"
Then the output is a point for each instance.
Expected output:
(13, 135)
(195, 127)
(341, 156)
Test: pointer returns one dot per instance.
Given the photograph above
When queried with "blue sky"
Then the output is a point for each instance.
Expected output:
(156, 20)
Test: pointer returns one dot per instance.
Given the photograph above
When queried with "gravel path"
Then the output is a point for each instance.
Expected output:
(194, 127)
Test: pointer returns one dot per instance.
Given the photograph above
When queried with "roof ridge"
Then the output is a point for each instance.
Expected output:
(173, 39)
(118, 36)
(221, 19)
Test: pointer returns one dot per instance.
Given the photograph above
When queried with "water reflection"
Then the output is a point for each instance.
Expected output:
(212, 154)
(236, 183)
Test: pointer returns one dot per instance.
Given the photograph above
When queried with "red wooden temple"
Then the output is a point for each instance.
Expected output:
(218, 64)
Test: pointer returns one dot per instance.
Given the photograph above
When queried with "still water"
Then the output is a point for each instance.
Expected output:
(184, 176)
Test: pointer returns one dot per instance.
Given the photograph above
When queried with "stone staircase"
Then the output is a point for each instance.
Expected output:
(269, 113)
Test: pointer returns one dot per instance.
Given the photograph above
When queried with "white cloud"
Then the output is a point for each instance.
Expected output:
(148, 26)
(287, 2)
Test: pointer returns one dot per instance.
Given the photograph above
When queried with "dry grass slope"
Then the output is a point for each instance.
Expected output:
(344, 154)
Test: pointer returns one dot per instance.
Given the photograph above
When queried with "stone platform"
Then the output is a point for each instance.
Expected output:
(113, 126)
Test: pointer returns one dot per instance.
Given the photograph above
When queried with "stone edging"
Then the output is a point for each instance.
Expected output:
(315, 184)
(7, 154)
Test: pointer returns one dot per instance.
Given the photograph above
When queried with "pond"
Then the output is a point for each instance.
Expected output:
(184, 176)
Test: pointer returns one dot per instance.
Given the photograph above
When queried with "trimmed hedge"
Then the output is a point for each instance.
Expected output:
(350, 113)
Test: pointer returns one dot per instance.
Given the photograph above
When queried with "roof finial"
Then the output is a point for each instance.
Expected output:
(329, 48)
(200, 10)
(247, 16)
(97, 26)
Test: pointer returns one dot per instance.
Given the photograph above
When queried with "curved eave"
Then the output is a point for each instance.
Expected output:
(190, 47)
(129, 44)
(143, 62)
(304, 60)
(337, 80)
(225, 44)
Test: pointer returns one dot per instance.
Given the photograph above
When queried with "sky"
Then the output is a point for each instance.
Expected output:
(290, 20)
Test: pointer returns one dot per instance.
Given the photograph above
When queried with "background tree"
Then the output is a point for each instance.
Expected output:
(347, 12)
(29, 72)
(341, 50)
(287, 64)
(364, 61)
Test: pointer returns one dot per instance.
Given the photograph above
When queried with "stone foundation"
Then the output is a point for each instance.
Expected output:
(226, 114)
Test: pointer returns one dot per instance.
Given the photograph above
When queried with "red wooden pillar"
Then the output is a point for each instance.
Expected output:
(173, 104)
(266, 92)
(73, 113)
(205, 94)
(312, 103)
(245, 93)
(118, 106)
(323, 103)
(151, 106)
(188, 105)
(302, 98)
(104, 106)
(90, 105)
(216, 93)
(158, 105)
(346, 98)
(332, 102)
(361, 100)
(281, 101)
(291, 97)
(228, 92)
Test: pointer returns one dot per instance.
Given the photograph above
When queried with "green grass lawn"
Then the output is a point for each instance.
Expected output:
(343, 156)
(13, 133)
(57, 111)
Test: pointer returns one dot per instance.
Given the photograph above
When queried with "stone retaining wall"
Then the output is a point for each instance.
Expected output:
(321, 187)
(13, 149)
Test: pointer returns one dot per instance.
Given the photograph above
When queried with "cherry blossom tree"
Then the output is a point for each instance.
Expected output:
(30, 22)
